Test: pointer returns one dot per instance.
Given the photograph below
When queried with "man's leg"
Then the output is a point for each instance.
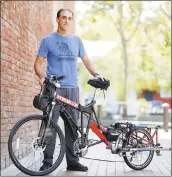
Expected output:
(71, 136)
(72, 160)
(51, 134)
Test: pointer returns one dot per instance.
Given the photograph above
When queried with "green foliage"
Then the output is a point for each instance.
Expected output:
(149, 51)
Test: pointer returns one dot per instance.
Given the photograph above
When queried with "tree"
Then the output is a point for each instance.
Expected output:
(167, 6)
(155, 53)
(102, 8)
(144, 43)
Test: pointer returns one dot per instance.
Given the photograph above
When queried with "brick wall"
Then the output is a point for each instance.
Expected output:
(23, 24)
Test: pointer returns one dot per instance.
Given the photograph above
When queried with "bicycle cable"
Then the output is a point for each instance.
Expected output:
(101, 159)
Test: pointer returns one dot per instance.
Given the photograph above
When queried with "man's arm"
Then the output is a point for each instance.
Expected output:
(90, 67)
(38, 66)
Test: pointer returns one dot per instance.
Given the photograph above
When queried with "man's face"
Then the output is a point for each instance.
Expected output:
(65, 20)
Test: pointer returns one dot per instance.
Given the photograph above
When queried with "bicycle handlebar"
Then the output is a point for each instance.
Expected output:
(54, 80)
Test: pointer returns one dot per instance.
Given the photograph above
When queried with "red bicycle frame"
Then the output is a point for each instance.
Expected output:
(155, 133)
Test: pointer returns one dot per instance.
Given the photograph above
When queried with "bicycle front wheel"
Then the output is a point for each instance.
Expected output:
(27, 149)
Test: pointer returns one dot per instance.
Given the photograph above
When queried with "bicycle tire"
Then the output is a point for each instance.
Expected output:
(14, 159)
(149, 159)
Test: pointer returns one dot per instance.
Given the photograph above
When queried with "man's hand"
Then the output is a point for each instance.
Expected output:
(97, 76)
(41, 81)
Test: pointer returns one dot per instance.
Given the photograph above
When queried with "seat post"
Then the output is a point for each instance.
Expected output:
(94, 94)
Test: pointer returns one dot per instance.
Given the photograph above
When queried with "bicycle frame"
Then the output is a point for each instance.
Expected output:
(93, 124)
(155, 133)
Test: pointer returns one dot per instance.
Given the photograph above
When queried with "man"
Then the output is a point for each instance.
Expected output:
(62, 50)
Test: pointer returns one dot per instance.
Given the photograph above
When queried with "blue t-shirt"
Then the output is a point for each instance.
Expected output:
(62, 53)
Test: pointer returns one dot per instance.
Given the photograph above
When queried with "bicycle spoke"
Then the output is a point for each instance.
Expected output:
(32, 160)
(28, 159)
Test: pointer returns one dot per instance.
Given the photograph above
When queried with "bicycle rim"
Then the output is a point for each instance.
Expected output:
(27, 154)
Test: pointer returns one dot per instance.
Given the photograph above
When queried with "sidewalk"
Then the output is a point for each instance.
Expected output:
(160, 165)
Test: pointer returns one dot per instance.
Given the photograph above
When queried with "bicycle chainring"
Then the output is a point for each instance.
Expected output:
(78, 151)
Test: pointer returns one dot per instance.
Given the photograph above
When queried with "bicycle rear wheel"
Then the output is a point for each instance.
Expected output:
(140, 159)
(25, 149)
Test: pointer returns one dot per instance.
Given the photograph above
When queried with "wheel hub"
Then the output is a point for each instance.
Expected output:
(36, 146)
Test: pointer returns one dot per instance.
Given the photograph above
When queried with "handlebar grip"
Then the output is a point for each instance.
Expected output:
(60, 78)
(55, 78)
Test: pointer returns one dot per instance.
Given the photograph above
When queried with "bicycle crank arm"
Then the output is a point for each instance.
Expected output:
(145, 149)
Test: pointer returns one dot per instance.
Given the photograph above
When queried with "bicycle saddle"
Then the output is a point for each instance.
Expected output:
(98, 83)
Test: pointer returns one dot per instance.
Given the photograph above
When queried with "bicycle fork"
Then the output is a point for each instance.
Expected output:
(44, 125)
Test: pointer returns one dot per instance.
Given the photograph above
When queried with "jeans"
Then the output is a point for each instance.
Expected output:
(70, 137)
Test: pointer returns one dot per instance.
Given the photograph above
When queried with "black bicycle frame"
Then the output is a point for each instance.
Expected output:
(88, 109)
(93, 122)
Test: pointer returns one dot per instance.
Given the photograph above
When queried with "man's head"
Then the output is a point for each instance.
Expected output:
(64, 19)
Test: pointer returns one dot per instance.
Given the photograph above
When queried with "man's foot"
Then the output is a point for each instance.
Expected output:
(77, 167)
(45, 166)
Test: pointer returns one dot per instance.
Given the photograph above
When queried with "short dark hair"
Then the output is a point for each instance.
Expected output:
(58, 13)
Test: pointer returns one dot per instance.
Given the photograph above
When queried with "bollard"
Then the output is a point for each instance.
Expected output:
(165, 116)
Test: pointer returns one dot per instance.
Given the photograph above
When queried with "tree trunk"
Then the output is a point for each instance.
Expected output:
(124, 41)
(125, 57)
(125, 113)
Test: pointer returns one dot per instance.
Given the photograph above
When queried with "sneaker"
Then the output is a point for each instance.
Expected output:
(77, 167)
(45, 166)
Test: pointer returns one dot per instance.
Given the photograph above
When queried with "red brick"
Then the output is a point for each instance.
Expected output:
(23, 23)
